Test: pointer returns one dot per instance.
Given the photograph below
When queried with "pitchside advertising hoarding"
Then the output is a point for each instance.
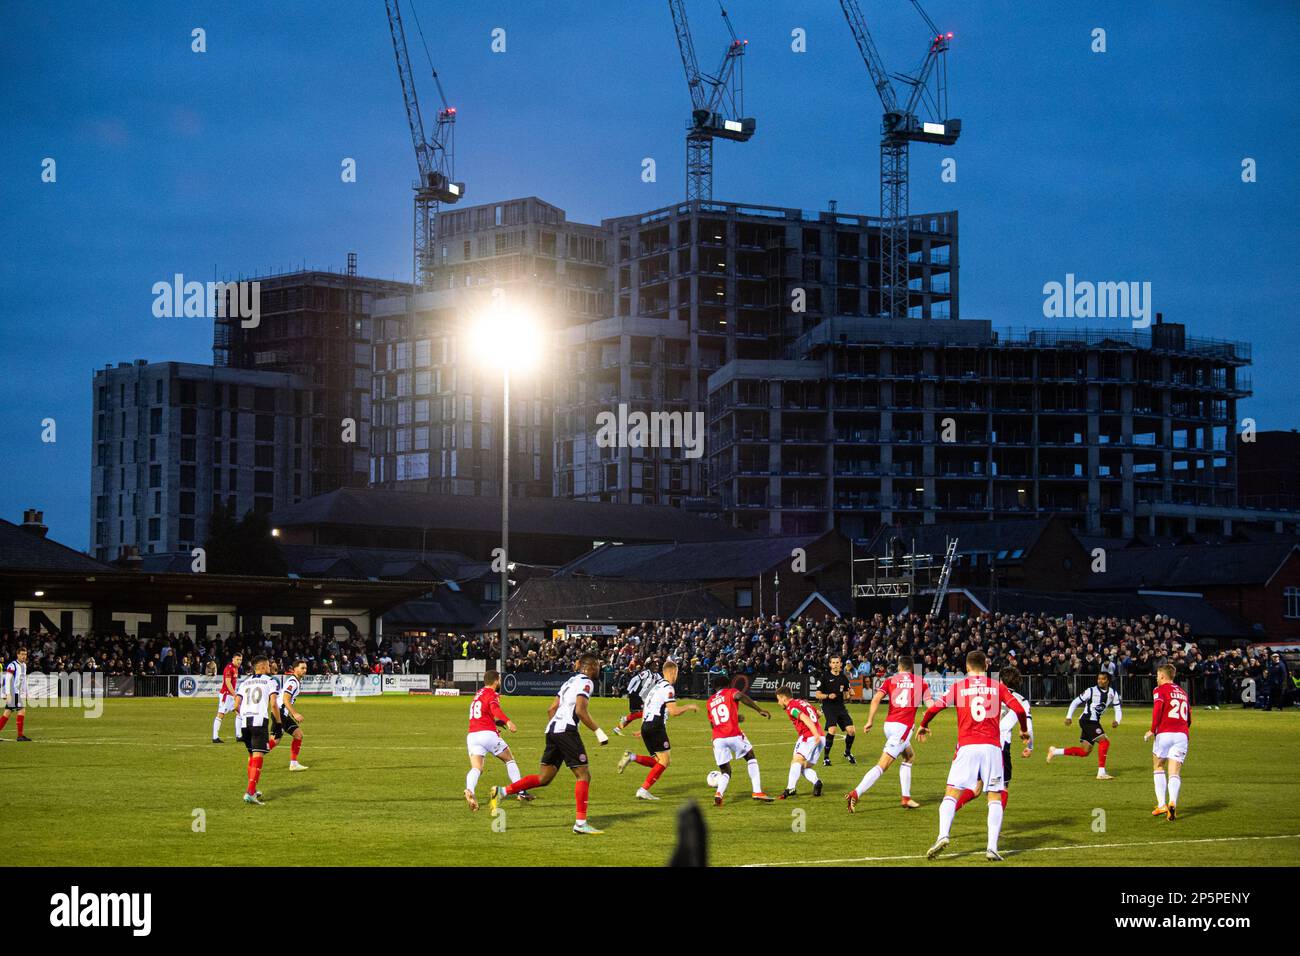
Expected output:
(337, 685)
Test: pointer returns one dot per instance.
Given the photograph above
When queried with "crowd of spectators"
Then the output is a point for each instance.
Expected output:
(1055, 650)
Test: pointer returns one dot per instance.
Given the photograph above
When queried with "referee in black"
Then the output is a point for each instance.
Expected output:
(833, 692)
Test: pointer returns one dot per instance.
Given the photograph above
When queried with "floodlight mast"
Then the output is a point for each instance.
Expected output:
(717, 102)
(435, 159)
(927, 90)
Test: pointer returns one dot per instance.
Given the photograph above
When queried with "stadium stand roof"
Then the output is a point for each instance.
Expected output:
(377, 508)
(540, 602)
(1205, 619)
(703, 561)
(22, 548)
(1192, 566)
(972, 536)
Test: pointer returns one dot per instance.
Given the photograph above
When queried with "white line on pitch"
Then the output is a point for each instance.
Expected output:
(1039, 849)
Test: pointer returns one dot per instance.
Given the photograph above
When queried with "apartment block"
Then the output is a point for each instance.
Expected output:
(877, 422)
(436, 412)
(173, 440)
(698, 285)
(317, 325)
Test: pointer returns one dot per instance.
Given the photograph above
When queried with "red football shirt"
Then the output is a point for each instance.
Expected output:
(905, 693)
(796, 707)
(724, 713)
(978, 700)
(485, 710)
(229, 674)
(1172, 713)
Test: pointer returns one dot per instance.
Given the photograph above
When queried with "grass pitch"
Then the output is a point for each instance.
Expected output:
(142, 785)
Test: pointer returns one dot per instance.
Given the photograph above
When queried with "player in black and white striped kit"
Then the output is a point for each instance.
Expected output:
(1094, 702)
(257, 701)
(637, 687)
(564, 743)
(660, 704)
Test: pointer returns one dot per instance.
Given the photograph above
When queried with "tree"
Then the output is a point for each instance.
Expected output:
(243, 547)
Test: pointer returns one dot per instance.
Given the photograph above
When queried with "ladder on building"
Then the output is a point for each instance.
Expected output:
(941, 591)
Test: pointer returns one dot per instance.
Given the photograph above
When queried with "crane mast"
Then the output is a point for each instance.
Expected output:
(901, 125)
(434, 159)
(717, 102)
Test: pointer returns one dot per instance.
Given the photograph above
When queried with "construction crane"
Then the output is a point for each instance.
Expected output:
(434, 158)
(926, 90)
(717, 102)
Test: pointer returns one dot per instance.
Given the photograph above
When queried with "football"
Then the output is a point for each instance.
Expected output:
(713, 778)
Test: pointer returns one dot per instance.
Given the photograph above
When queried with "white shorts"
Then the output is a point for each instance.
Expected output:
(977, 763)
(1171, 746)
(897, 738)
(484, 742)
(727, 749)
(225, 704)
(810, 749)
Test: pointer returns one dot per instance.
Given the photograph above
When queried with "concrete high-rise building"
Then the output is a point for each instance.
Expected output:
(173, 440)
(698, 285)
(317, 325)
(436, 413)
(880, 422)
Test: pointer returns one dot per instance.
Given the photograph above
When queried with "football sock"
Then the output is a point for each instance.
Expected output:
(905, 777)
(869, 780)
(754, 781)
(810, 774)
(848, 744)
(655, 773)
(580, 789)
(965, 797)
(239, 729)
(1160, 788)
(830, 745)
(1102, 747)
(295, 748)
(947, 810)
(645, 761)
(4, 719)
(524, 783)
(1006, 794)
(1175, 784)
(793, 779)
(995, 823)
(471, 778)
(634, 715)
(216, 727)
(254, 771)
(723, 781)
(1074, 752)
(512, 771)
(272, 744)
(21, 718)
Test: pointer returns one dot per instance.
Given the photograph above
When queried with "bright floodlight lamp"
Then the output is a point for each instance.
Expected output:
(506, 335)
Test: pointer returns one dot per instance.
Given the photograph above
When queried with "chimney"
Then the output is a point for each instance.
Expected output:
(34, 522)
(128, 558)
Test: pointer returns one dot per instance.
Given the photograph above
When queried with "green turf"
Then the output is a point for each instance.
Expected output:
(387, 776)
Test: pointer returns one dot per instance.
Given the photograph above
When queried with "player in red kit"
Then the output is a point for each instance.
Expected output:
(226, 699)
(808, 748)
(485, 716)
(1171, 719)
(979, 702)
(905, 693)
(729, 742)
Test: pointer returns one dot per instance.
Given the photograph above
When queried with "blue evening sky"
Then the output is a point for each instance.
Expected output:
(1123, 165)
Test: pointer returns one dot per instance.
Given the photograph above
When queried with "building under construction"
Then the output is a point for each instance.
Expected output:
(317, 326)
